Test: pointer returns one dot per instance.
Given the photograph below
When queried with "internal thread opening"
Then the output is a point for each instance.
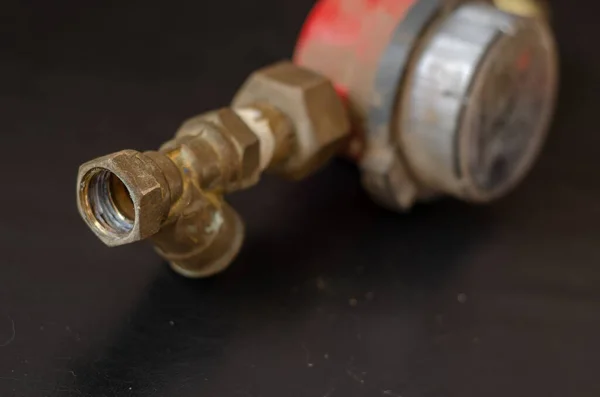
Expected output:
(108, 202)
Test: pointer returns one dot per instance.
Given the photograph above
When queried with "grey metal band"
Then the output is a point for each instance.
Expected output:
(384, 175)
(392, 66)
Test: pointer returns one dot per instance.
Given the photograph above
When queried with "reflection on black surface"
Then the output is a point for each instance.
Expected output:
(318, 255)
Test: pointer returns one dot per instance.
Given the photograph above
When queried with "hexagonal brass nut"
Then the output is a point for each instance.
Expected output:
(144, 183)
(320, 120)
(245, 143)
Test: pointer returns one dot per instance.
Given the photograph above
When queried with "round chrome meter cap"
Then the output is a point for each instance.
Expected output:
(477, 104)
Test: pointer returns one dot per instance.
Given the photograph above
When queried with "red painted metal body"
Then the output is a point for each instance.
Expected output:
(345, 39)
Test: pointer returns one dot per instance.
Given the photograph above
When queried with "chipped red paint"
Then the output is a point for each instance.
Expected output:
(344, 24)
(345, 40)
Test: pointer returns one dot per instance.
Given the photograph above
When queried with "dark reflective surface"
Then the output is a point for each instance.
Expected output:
(332, 296)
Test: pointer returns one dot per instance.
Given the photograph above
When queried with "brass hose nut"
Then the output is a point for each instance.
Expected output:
(123, 197)
(309, 100)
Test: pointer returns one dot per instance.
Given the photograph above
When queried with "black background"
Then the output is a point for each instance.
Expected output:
(331, 296)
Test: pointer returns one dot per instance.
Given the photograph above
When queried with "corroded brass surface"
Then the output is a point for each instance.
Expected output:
(311, 103)
(285, 119)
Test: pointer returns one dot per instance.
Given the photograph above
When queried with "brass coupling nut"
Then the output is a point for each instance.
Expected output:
(284, 119)
(125, 196)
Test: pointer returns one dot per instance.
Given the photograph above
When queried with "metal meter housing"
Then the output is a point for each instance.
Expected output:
(447, 97)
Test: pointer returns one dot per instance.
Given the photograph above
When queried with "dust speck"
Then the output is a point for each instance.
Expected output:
(355, 376)
(370, 295)
(326, 356)
(13, 335)
(68, 329)
(172, 323)
(329, 392)
(309, 364)
(353, 302)
(439, 319)
(461, 298)
(476, 340)
(321, 285)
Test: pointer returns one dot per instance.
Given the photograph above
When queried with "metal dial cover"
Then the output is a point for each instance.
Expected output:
(478, 102)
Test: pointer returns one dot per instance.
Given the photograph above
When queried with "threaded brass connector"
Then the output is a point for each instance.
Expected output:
(284, 119)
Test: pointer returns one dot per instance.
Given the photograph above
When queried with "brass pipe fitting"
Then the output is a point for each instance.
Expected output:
(446, 98)
(284, 119)
(527, 8)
